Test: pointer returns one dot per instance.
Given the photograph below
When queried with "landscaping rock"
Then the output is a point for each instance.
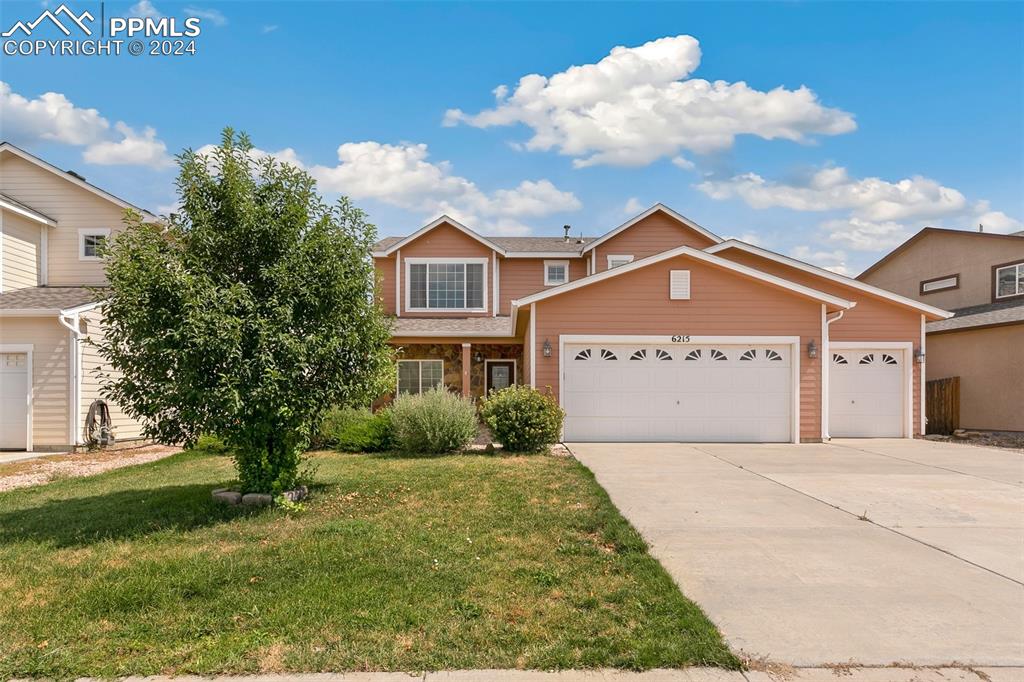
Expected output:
(297, 494)
(257, 499)
(227, 496)
(960, 433)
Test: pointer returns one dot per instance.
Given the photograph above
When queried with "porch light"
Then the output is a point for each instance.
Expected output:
(812, 349)
(547, 348)
(919, 356)
(478, 358)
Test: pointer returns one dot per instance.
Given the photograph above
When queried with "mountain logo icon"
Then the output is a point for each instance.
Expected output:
(54, 17)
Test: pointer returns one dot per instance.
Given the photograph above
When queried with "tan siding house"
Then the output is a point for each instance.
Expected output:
(656, 330)
(50, 224)
(980, 278)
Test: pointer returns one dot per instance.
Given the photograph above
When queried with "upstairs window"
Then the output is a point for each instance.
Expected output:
(89, 242)
(930, 286)
(616, 261)
(1009, 280)
(556, 272)
(446, 285)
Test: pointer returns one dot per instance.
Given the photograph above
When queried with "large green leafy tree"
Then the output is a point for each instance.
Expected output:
(247, 315)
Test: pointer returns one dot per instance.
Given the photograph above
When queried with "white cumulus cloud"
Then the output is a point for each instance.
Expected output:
(633, 207)
(144, 8)
(878, 214)
(402, 175)
(52, 117)
(214, 16)
(639, 104)
(829, 260)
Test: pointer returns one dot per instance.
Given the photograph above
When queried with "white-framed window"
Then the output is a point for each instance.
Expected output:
(442, 284)
(616, 261)
(89, 241)
(556, 272)
(1009, 280)
(417, 376)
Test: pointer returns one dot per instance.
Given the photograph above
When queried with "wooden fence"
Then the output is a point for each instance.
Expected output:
(942, 405)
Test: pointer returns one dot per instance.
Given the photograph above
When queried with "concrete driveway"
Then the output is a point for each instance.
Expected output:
(864, 551)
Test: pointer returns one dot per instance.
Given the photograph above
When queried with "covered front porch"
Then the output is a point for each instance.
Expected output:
(470, 356)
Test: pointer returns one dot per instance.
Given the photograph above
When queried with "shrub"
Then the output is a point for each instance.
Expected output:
(212, 445)
(522, 418)
(433, 422)
(356, 430)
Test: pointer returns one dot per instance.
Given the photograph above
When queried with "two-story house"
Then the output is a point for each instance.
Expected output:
(51, 223)
(979, 276)
(657, 330)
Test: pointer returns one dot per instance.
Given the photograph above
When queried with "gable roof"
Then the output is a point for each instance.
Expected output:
(696, 254)
(75, 180)
(653, 209)
(935, 230)
(443, 220)
(831, 276)
(12, 204)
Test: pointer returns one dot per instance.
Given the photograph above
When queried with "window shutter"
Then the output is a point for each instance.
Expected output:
(679, 285)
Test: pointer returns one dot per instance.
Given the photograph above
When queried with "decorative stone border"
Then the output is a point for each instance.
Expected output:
(233, 497)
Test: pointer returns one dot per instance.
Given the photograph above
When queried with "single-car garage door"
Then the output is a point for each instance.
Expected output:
(13, 401)
(677, 392)
(867, 392)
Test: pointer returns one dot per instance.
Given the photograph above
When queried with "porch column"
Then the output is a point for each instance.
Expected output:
(466, 370)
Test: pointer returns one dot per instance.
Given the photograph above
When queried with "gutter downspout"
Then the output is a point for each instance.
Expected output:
(826, 361)
(71, 322)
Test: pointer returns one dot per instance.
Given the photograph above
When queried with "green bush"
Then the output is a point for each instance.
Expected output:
(356, 430)
(433, 422)
(212, 445)
(522, 418)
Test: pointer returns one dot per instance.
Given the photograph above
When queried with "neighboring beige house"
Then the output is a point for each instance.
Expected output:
(980, 277)
(657, 330)
(51, 222)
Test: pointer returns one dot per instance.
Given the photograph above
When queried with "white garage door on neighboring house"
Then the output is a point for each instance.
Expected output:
(14, 378)
(867, 393)
(677, 392)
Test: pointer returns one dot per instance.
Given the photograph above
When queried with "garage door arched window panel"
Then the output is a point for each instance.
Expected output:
(639, 355)
(888, 359)
(839, 359)
(693, 355)
(772, 355)
(867, 359)
(718, 355)
(662, 354)
(608, 355)
(583, 354)
(750, 354)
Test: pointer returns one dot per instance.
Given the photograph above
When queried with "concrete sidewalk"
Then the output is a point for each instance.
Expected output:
(833, 674)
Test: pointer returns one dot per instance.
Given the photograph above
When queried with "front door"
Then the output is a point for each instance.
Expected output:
(500, 374)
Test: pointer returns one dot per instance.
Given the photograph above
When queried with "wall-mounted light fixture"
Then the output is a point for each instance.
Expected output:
(478, 358)
(546, 348)
(919, 356)
(812, 349)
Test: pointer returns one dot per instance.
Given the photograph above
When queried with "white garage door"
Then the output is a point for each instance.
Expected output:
(677, 392)
(866, 393)
(13, 401)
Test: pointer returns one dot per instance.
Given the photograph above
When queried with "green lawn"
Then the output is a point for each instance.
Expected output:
(395, 564)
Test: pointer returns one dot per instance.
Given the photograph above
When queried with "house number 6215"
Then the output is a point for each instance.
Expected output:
(681, 339)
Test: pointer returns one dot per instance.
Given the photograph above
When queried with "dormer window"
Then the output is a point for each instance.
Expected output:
(89, 242)
(556, 272)
(442, 284)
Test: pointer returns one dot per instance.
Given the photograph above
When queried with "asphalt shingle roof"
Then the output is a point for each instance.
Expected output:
(521, 244)
(429, 326)
(981, 316)
(46, 298)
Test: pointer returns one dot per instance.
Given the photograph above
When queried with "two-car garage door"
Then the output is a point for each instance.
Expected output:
(678, 392)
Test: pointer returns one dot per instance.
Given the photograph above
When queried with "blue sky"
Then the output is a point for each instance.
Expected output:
(912, 113)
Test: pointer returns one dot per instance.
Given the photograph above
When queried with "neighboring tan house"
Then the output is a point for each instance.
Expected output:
(51, 222)
(979, 276)
(657, 330)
